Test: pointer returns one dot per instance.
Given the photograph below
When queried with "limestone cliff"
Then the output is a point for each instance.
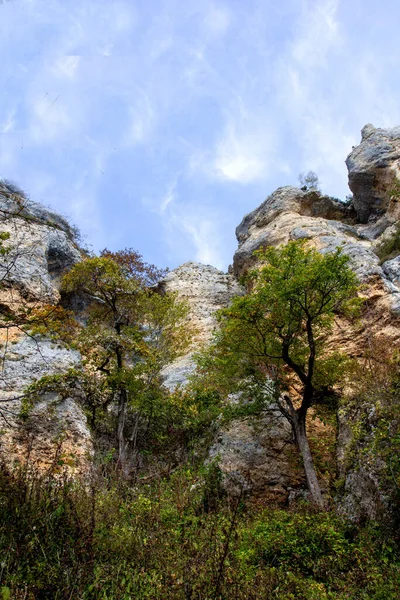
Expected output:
(206, 289)
(41, 248)
(258, 453)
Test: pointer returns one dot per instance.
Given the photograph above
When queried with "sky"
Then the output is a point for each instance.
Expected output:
(158, 124)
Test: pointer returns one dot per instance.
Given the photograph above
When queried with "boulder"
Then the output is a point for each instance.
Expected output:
(373, 167)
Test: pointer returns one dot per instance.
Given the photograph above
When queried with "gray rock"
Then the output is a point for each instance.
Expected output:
(29, 359)
(39, 253)
(56, 428)
(290, 213)
(206, 290)
(373, 167)
(391, 269)
(13, 204)
(257, 456)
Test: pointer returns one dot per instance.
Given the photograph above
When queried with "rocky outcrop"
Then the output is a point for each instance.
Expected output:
(256, 454)
(291, 213)
(258, 457)
(206, 290)
(39, 248)
(55, 433)
(373, 168)
(367, 228)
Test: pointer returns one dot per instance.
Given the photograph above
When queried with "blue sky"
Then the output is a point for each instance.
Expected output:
(157, 124)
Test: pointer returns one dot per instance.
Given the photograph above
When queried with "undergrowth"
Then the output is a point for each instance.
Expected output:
(180, 538)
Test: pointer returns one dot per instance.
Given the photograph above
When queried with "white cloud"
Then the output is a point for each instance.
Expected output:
(51, 120)
(191, 228)
(142, 118)
(319, 33)
(204, 235)
(241, 158)
(168, 198)
(217, 19)
(8, 124)
(66, 66)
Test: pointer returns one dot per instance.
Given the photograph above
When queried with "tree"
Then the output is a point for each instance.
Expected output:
(131, 331)
(309, 181)
(273, 340)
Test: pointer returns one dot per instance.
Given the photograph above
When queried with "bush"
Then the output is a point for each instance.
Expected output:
(179, 538)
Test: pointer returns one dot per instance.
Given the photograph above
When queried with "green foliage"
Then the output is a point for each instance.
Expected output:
(389, 246)
(264, 334)
(373, 418)
(299, 541)
(131, 333)
(125, 316)
(4, 236)
(179, 537)
(271, 344)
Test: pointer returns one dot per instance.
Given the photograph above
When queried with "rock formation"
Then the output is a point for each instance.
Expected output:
(42, 248)
(256, 453)
(373, 170)
(206, 289)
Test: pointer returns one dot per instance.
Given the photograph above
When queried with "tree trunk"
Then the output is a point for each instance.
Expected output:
(120, 430)
(299, 427)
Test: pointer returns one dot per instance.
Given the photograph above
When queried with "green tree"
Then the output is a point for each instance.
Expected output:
(309, 181)
(131, 332)
(273, 340)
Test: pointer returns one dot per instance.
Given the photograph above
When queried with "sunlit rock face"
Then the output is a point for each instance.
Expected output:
(367, 229)
(256, 455)
(56, 432)
(41, 248)
(291, 213)
(206, 290)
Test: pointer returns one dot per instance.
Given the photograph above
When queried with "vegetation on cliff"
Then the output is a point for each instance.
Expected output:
(153, 517)
(272, 342)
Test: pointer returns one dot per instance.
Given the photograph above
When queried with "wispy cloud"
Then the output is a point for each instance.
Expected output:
(8, 123)
(319, 33)
(198, 231)
(159, 125)
(218, 19)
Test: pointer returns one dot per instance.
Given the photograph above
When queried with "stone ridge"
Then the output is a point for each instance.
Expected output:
(41, 247)
(368, 230)
(288, 209)
(206, 290)
(259, 452)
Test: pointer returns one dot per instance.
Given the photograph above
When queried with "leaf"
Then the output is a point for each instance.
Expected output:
(5, 593)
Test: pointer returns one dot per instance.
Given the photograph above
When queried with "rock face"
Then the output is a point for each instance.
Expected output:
(56, 429)
(291, 213)
(206, 289)
(368, 231)
(256, 454)
(258, 457)
(40, 248)
(373, 168)
(41, 245)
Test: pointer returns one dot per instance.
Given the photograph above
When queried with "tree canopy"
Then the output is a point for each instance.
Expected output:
(131, 332)
(273, 340)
